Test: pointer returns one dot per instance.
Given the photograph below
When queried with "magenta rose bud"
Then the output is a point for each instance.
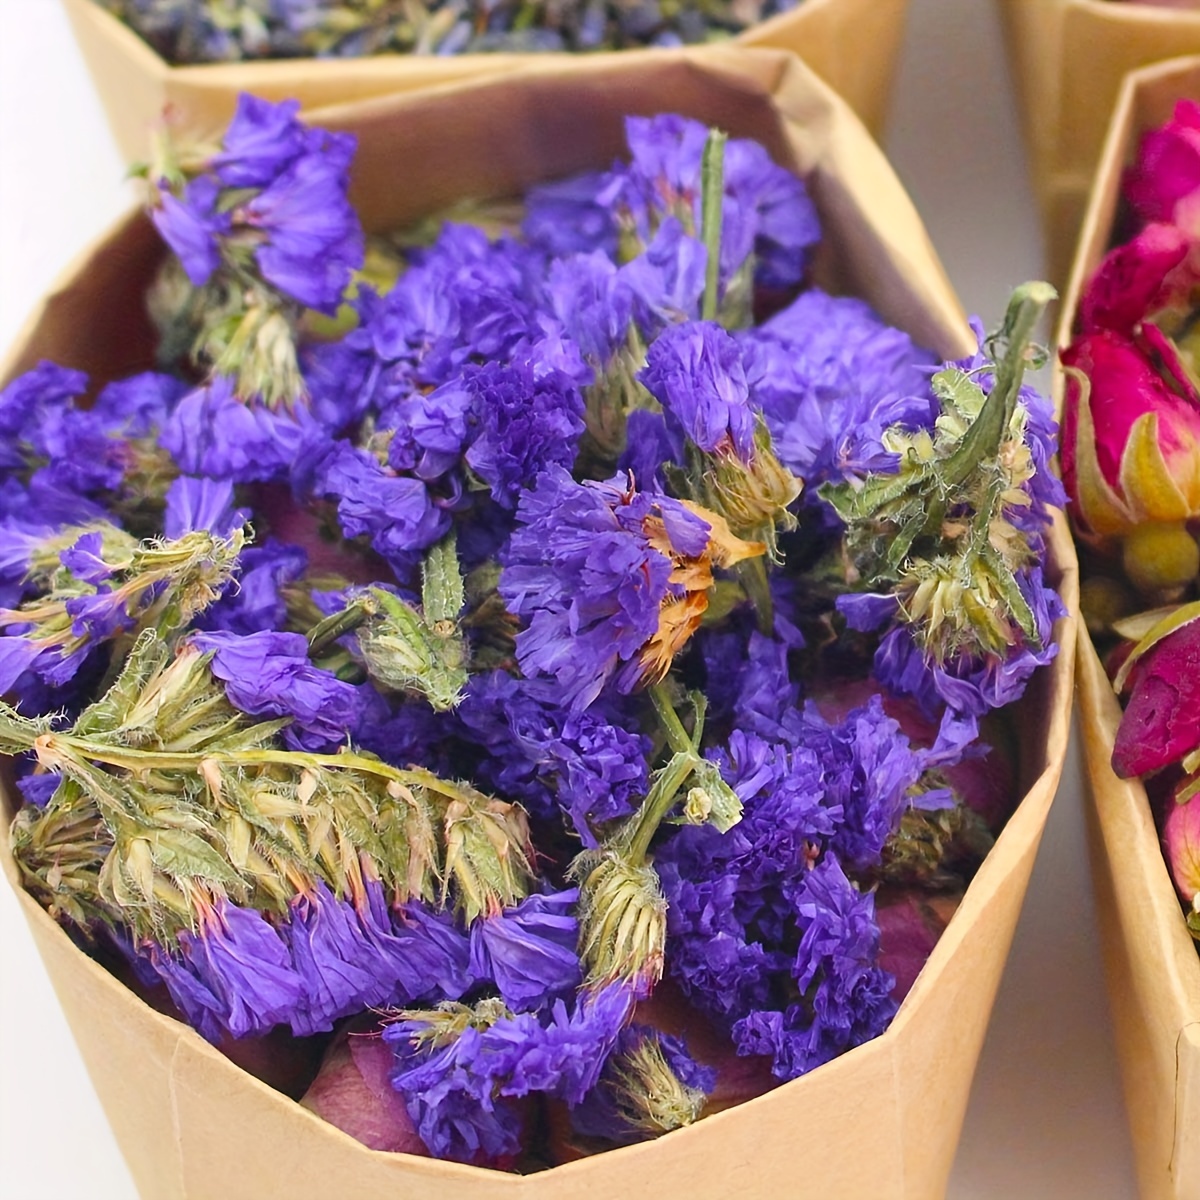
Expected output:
(1161, 722)
(1181, 844)
(1167, 170)
(1131, 455)
(353, 1091)
(1135, 280)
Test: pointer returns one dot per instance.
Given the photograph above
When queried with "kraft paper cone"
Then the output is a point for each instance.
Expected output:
(883, 1120)
(1068, 58)
(851, 44)
(1150, 959)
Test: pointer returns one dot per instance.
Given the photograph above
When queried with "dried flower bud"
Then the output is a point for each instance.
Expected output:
(647, 1095)
(258, 350)
(421, 652)
(432, 1028)
(488, 853)
(622, 920)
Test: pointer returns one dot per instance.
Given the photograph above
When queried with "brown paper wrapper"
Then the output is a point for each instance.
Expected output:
(883, 1120)
(1068, 58)
(1150, 959)
(851, 44)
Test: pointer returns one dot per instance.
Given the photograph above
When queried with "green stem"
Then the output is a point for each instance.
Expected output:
(677, 735)
(63, 745)
(658, 802)
(983, 439)
(324, 633)
(752, 575)
(712, 195)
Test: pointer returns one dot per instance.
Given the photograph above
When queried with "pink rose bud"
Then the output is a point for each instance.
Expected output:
(354, 1092)
(1181, 844)
(1131, 455)
(1161, 722)
(1167, 171)
(1137, 279)
(910, 923)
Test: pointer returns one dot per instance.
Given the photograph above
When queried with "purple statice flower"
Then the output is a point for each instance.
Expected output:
(528, 951)
(42, 428)
(29, 517)
(192, 225)
(256, 601)
(695, 372)
(328, 958)
(667, 279)
(262, 141)
(18, 542)
(313, 242)
(26, 663)
(549, 758)
(79, 454)
(279, 188)
(398, 513)
(581, 569)
(451, 1095)
(100, 615)
(429, 955)
(648, 446)
(815, 793)
(233, 974)
(338, 376)
(85, 560)
(494, 288)
(268, 674)
(461, 1090)
(138, 406)
(846, 998)
(766, 210)
(37, 788)
(212, 433)
(342, 969)
(431, 429)
(194, 503)
(767, 701)
(414, 734)
(725, 937)
(831, 377)
(594, 302)
(525, 422)
(971, 684)
(566, 217)
(773, 204)
(406, 343)
(463, 300)
(354, 956)
(867, 611)
(869, 770)
(29, 401)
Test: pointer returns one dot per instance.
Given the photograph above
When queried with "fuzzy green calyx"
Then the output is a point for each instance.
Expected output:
(622, 919)
(417, 651)
(647, 1094)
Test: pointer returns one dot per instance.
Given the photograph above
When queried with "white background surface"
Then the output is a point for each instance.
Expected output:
(1046, 1118)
